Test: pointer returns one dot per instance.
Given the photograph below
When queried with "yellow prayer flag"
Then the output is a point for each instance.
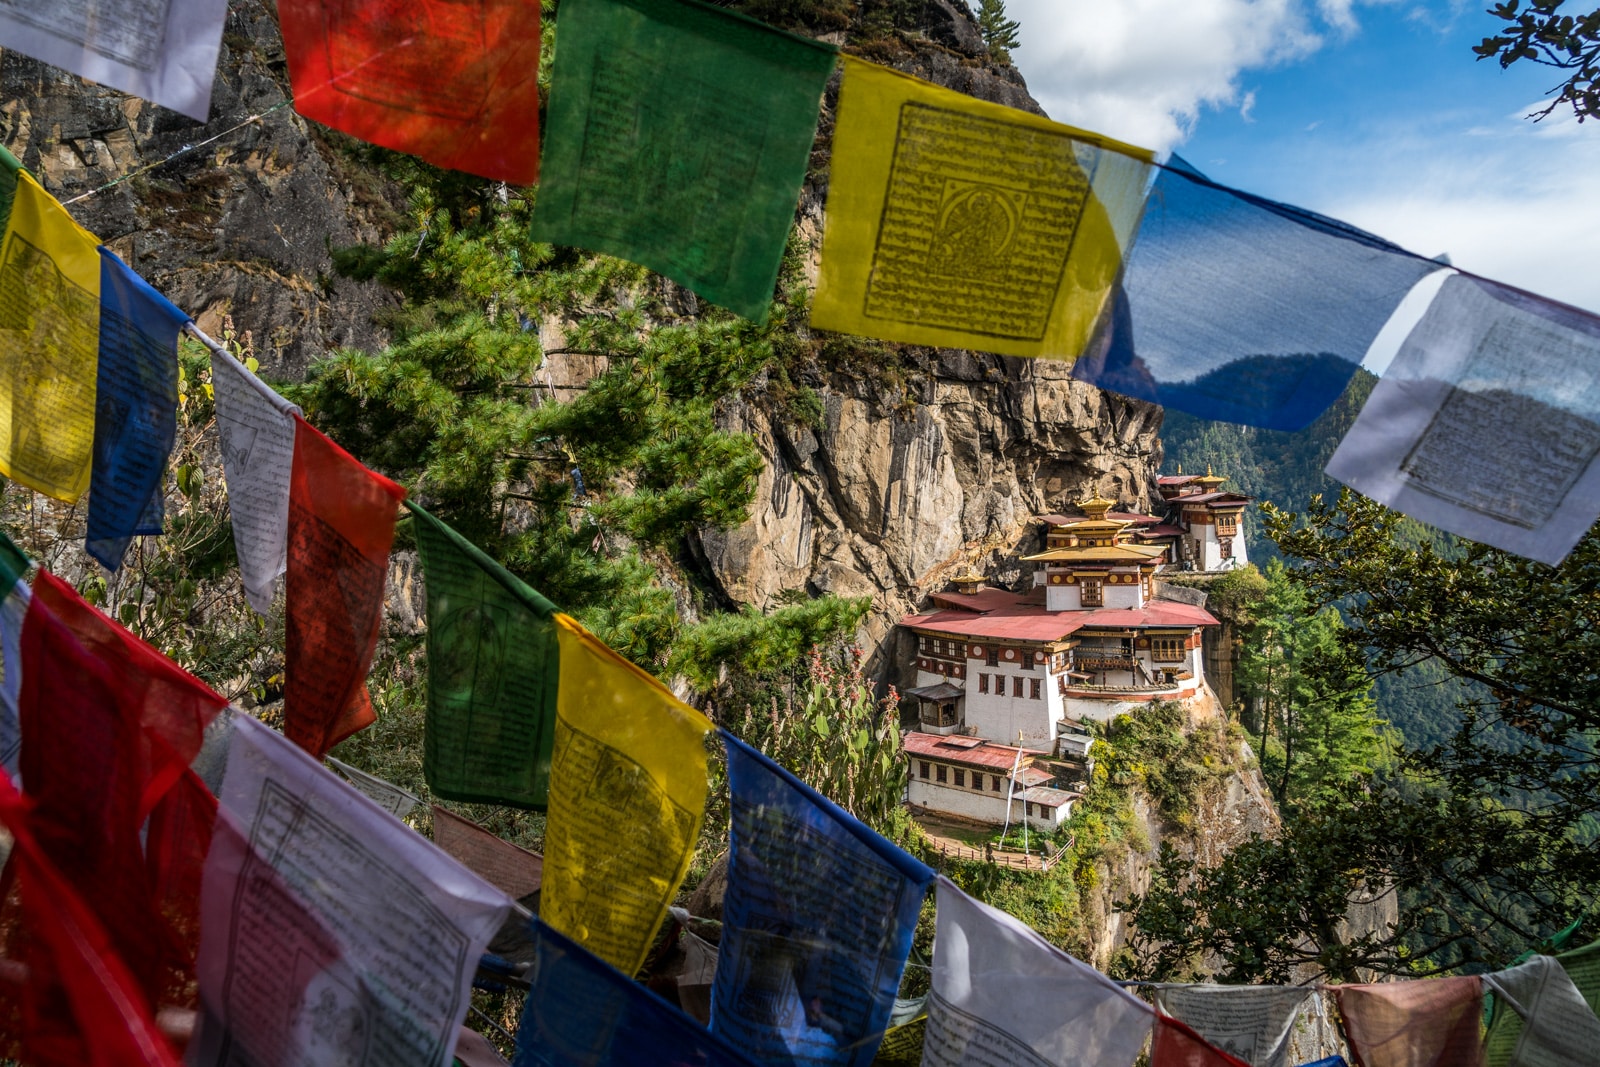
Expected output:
(627, 795)
(964, 224)
(49, 345)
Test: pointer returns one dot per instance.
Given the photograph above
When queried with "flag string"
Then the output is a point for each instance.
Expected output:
(185, 150)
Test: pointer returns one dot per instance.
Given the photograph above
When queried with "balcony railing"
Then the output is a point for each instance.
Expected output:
(1103, 663)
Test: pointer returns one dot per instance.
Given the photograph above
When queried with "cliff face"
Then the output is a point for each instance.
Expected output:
(900, 483)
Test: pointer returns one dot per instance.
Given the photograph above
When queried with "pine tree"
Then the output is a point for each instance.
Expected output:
(1001, 34)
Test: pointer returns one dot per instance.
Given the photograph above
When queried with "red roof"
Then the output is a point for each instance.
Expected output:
(1013, 619)
(1176, 479)
(1135, 517)
(1162, 530)
(1212, 498)
(983, 600)
(988, 754)
(1155, 613)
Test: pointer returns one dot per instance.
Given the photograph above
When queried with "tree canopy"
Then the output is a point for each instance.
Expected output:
(1541, 32)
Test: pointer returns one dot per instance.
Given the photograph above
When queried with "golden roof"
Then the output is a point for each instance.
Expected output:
(1100, 553)
(1211, 479)
(1096, 507)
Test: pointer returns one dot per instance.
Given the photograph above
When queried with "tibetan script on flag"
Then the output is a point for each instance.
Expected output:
(494, 666)
(49, 340)
(136, 401)
(679, 136)
(965, 224)
(455, 83)
(627, 796)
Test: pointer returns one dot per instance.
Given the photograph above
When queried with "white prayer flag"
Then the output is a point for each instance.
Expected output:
(1251, 1022)
(256, 430)
(388, 796)
(162, 50)
(1487, 422)
(330, 933)
(1558, 1026)
(1004, 997)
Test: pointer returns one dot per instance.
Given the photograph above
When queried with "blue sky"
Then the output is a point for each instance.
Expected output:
(1375, 113)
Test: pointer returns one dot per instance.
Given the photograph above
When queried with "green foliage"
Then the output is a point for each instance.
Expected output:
(840, 740)
(1001, 34)
(1542, 33)
(765, 647)
(1311, 694)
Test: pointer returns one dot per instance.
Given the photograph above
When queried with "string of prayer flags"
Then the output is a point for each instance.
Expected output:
(136, 401)
(1558, 1025)
(255, 433)
(388, 796)
(330, 932)
(49, 342)
(1251, 1022)
(1003, 994)
(627, 796)
(964, 224)
(807, 974)
(582, 1011)
(109, 727)
(162, 50)
(513, 870)
(494, 668)
(1176, 1045)
(679, 135)
(1240, 309)
(341, 526)
(1414, 1024)
(76, 1002)
(1509, 1024)
(14, 598)
(1487, 422)
(456, 84)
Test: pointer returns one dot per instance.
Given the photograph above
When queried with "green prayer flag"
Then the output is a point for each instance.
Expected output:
(13, 564)
(494, 667)
(1505, 1026)
(678, 136)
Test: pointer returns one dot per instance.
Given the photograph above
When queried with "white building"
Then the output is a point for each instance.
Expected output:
(977, 779)
(1210, 521)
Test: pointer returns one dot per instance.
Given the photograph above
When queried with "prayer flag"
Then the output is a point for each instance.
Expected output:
(456, 84)
(582, 1011)
(1507, 1027)
(1237, 308)
(14, 597)
(1487, 422)
(1176, 1045)
(494, 666)
(514, 871)
(162, 50)
(816, 923)
(627, 796)
(341, 525)
(1002, 993)
(74, 1002)
(255, 433)
(964, 224)
(49, 338)
(331, 933)
(679, 137)
(135, 418)
(109, 727)
(388, 796)
(1426, 1023)
(902, 1045)
(1252, 1022)
(1558, 1025)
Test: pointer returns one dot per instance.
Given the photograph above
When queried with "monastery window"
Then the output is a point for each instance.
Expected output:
(1227, 525)
(1033, 689)
(961, 777)
(1027, 808)
(994, 783)
(994, 656)
(923, 769)
(1167, 649)
(1016, 687)
(983, 683)
(1092, 595)
(938, 772)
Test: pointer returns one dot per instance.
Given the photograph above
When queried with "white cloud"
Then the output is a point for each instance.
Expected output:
(1142, 70)
(1247, 105)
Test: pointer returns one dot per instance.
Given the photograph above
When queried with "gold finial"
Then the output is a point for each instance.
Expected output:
(1180, 470)
(1212, 479)
(1208, 471)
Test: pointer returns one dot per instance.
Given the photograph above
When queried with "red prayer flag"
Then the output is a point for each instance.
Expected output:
(341, 525)
(1432, 1022)
(1177, 1045)
(67, 997)
(454, 83)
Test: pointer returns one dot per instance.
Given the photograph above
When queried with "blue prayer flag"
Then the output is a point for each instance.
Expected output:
(582, 1010)
(1238, 308)
(1331, 1061)
(816, 923)
(135, 410)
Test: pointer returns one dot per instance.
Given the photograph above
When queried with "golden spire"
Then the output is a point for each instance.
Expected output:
(1211, 480)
